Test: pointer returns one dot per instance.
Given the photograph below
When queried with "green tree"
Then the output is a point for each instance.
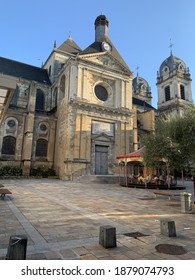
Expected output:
(173, 142)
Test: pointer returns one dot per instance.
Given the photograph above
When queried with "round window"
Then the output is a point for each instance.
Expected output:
(101, 93)
(43, 127)
(11, 123)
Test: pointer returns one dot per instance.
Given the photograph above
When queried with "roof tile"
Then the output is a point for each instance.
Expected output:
(25, 71)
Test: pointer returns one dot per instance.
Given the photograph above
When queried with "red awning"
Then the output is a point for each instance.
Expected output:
(138, 153)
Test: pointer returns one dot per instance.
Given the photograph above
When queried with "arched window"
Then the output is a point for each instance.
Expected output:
(50, 70)
(41, 148)
(40, 100)
(9, 145)
(62, 86)
(15, 96)
(167, 93)
(55, 97)
(182, 92)
(139, 141)
(139, 124)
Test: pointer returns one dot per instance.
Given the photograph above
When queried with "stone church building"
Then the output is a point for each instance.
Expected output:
(82, 108)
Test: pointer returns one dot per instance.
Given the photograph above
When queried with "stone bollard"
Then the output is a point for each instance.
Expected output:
(107, 237)
(167, 227)
(17, 247)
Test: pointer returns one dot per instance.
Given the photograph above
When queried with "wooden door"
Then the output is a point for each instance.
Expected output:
(101, 160)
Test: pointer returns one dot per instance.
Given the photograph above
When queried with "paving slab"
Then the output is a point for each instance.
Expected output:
(61, 220)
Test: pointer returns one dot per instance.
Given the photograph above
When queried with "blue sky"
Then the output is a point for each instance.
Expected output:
(140, 30)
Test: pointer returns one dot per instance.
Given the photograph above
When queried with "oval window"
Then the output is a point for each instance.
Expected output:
(101, 93)
(43, 127)
(11, 123)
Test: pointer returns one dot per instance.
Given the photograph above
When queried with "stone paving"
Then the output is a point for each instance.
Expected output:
(62, 220)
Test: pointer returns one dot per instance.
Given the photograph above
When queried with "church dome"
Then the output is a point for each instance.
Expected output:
(140, 84)
(141, 89)
(170, 64)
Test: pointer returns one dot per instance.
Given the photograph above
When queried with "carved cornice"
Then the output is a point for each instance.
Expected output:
(77, 104)
(76, 160)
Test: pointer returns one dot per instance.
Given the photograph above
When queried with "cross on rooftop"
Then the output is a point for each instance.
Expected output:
(170, 46)
(137, 68)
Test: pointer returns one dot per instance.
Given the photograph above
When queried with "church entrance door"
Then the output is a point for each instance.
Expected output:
(101, 160)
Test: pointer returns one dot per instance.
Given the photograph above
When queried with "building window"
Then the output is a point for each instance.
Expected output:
(41, 148)
(50, 70)
(11, 123)
(101, 93)
(139, 124)
(62, 86)
(15, 96)
(9, 145)
(43, 127)
(55, 97)
(139, 142)
(182, 92)
(105, 62)
(167, 93)
(40, 100)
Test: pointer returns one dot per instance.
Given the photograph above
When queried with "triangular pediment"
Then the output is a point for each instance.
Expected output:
(97, 48)
(104, 59)
(103, 137)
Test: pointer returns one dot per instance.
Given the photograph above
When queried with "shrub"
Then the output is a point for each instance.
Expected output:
(36, 171)
(10, 171)
(50, 172)
(41, 172)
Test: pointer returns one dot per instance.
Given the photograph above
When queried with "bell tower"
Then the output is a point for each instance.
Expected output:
(174, 86)
(101, 28)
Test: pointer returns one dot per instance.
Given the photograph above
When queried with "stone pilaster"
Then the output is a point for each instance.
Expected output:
(28, 131)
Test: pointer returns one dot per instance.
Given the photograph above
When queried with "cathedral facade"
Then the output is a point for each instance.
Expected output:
(82, 108)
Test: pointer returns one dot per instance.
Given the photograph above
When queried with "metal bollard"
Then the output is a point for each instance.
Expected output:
(186, 202)
(17, 247)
